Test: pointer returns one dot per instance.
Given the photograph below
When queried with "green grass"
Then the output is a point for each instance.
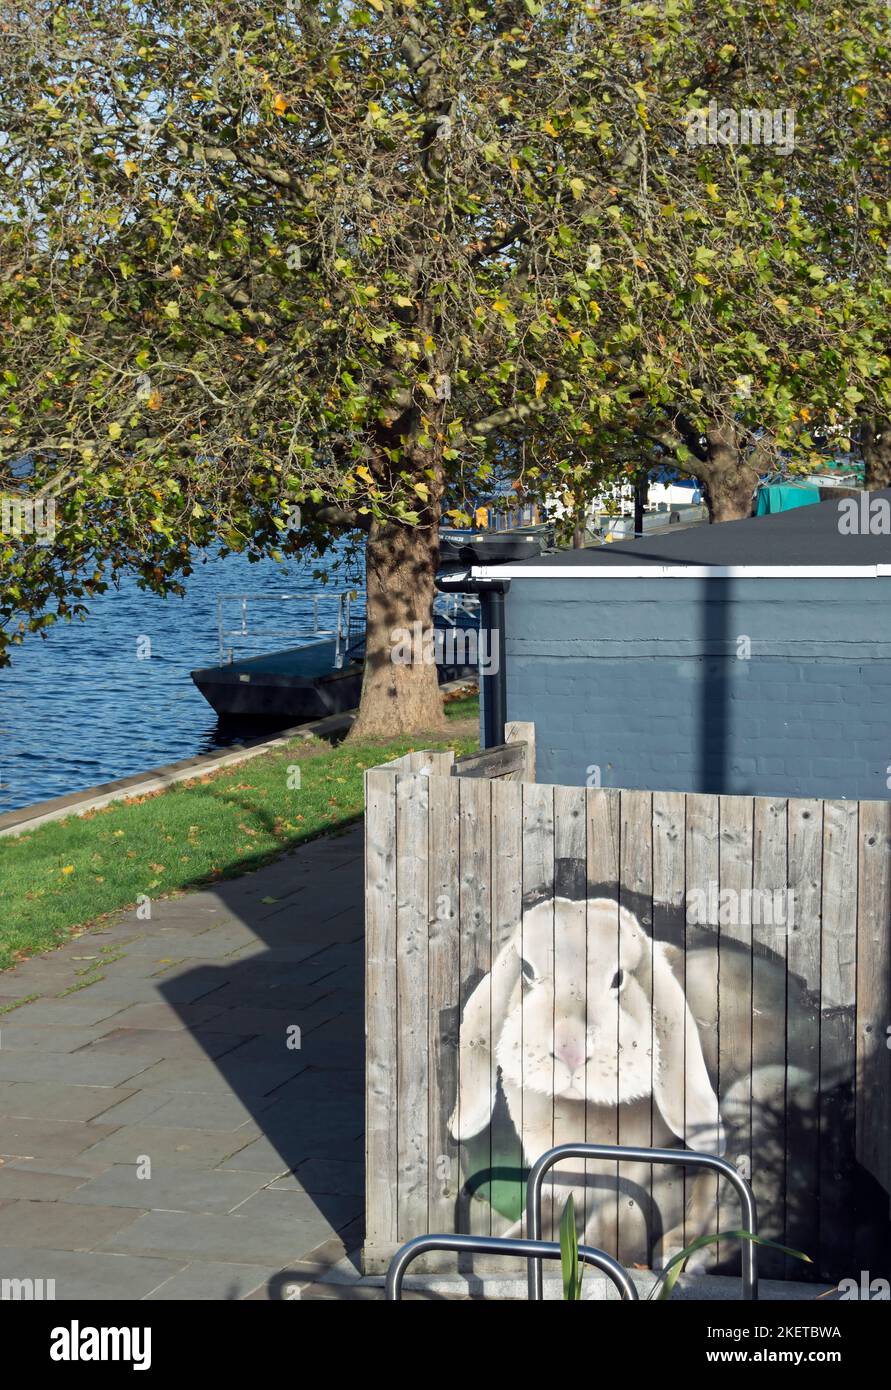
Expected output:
(68, 873)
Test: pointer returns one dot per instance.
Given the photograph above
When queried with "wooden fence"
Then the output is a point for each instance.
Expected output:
(770, 917)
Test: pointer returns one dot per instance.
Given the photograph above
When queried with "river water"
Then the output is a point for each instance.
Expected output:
(95, 701)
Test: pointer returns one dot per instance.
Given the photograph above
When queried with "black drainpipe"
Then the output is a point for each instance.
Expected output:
(493, 685)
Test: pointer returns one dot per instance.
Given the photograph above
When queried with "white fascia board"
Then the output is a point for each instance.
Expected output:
(527, 571)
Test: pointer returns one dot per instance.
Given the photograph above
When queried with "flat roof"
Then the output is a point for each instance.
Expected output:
(806, 542)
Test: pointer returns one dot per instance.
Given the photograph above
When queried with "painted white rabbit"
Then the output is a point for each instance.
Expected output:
(600, 1020)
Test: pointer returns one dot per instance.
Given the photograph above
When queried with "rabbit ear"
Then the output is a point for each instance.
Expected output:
(481, 1025)
(681, 1085)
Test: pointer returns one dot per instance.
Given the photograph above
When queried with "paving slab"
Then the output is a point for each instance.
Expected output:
(170, 1147)
(36, 1186)
(82, 1275)
(244, 1079)
(60, 1225)
(23, 1037)
(167, 1188)
(172, 1018)
(75, 1068)
(239, 1239)
(78, 1009)
(209, 1281)
(328, 1175)
(160, 1044)
(42, 1138)
(53, 1099)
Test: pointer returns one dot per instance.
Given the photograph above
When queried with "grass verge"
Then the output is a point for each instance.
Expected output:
(68, 873)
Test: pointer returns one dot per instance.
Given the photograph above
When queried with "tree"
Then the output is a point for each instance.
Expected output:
(751, 252)
(338, 259)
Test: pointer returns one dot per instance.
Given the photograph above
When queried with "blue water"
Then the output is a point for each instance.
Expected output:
(81, 707)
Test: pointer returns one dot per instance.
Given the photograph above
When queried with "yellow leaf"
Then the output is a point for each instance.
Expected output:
(363, 473)
(261, 345)
(68, 869)
(541, 382)
(578, 187)
(130, 168)
(422, 490)
(403, 301)
(376, 5)
(280, 105)
(550, 128)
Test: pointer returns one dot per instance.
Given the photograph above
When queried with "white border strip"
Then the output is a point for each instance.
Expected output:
(527, 571)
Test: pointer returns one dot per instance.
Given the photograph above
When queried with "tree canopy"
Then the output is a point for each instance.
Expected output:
(320, 256)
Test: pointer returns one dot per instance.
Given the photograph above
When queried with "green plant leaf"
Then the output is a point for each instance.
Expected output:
(662, 1289)
(569, 1254)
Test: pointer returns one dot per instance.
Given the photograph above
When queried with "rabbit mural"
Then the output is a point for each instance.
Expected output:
(582, 1017)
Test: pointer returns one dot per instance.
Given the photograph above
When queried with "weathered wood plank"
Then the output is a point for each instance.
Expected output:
(507, 912)
(874, 992)
(703, 830)
(538, 880)
(635, 1119)
(381, 1031)
(475, 856)
(570, 994)
(411, 993)
(735, 995)
(669, 887)
(769, 931)
(838, 1048)
(508, 759)
(444, 991)
(602, 1122)
(523, 731)
(803, 1029)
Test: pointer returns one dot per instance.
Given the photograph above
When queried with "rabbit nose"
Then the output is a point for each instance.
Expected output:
(570, 1051)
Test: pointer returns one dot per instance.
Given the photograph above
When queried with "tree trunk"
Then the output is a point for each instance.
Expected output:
(400, 687)
(728, 481)
(876, 444)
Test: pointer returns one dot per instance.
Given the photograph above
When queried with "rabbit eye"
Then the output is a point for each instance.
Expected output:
(618, 980)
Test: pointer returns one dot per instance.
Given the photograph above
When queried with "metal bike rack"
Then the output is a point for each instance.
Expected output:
(503, 1245)
(621, 1153)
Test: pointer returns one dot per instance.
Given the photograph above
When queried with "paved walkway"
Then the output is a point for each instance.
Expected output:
(161, 1135)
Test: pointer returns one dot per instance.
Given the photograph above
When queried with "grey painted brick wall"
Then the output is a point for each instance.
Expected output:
(641, 680)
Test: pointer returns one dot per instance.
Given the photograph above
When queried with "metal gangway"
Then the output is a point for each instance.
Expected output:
(326, 617)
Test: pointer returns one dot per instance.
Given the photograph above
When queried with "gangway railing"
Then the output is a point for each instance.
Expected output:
(336, 624)
(625, 1153)
(507, 1246)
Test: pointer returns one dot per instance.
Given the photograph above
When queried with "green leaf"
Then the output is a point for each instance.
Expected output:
(569, 1254)
(662, 1289)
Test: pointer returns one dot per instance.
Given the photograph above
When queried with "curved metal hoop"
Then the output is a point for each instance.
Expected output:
(503, 1245)
(621, 1153)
